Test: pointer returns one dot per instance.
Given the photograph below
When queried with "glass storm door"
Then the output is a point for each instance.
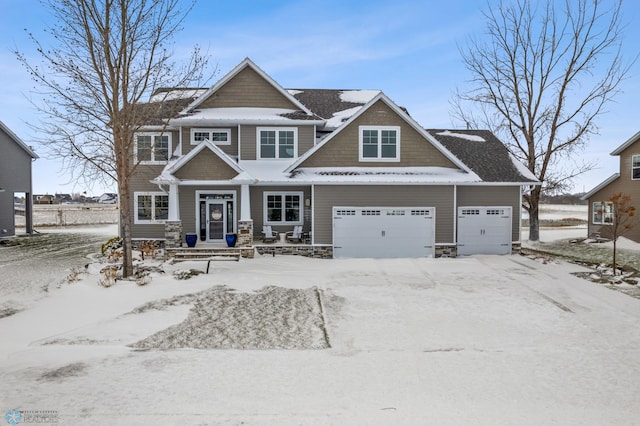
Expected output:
(216, 220)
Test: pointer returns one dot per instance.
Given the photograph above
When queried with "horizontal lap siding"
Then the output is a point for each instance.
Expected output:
(494, 196)
(144, 173)
(625, 186)
(15, 176)
(326, 197)
(257, 207)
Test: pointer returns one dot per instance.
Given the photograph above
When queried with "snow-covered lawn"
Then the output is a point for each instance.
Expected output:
(489, 340)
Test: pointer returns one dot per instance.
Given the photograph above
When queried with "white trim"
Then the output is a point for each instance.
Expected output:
(239, 143)
(602, 185)
(259, 130)
(379, 158)
(602, 221)
(635, 167)
(626, 144)
(300, 194)
(153, 136)
(153, 195)
(209, 130)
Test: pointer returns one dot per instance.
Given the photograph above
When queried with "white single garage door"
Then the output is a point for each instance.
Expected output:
(484, 230)
(383, 232)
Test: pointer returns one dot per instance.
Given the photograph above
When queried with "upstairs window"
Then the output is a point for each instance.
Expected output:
(277, 142)
(603, 213)
(152, 147)
(379, 143)
(635, 167)
(217, 136)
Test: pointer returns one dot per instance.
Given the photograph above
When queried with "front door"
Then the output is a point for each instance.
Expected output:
(216, 220)
(216, 217)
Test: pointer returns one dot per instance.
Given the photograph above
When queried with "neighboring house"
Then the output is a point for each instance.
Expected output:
(627, 181)
(361, 176)
(108, 198)
(44, 199)
(15, 176)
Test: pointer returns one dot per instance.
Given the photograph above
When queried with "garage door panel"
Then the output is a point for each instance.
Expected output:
(484, 230)
(384, 232)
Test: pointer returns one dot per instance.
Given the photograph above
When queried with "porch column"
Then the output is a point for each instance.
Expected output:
(174, 204)
(245, 224)
(245, 203)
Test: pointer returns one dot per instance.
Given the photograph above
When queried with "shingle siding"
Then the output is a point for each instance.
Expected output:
(206, 166)
(247, 89)
(328, 196)
(343, 149)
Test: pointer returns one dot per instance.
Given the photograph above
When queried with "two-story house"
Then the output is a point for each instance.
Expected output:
(626, 181)
(351, 167)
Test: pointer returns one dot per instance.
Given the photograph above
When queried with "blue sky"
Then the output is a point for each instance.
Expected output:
(408, 49)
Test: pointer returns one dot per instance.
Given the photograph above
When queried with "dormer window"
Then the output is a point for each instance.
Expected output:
(635, 167)
(275, 142)
(379, 143)
(217, 136)
(152, 148)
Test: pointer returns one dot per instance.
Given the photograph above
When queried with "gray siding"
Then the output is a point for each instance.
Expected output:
(343, 149)
(486, 196)
(140, 183)
(248, 89)
(326, 197)
(206, 166)
(15, 176)
(624, 184)
(257, 207)
(249, 140)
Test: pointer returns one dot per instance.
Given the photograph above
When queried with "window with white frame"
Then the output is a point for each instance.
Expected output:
(152, 147)
(276, 142)
(379, 143)
(151, 207)
(635, 167)
(603, 213)
(283, 208)
(217, 136)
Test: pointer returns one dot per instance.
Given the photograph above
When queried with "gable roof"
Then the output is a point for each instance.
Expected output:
(18, 141)
(485, 154)
(167, 174)
(633, 139)
(235, 71)
(335, 106)
(602, 185)
(401, 113)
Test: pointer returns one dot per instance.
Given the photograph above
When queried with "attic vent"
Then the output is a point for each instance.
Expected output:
(370, 213)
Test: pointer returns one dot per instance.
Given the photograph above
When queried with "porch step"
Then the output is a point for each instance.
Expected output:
(183, 254)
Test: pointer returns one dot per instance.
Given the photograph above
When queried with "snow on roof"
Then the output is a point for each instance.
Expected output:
(383, 175)
(522, 169)
(473, 138)
(358, 96)
(265, 170)
(173, 94)
(294, 92)
(238, 114)
(341, 116)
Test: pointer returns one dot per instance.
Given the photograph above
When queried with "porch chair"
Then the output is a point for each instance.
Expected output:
(269, 235)
(295, 236)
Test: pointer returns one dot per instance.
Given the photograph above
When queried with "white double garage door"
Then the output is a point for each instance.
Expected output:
(393, 232)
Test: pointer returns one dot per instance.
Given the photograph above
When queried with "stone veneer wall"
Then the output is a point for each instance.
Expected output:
(318, 252)
(172, 234)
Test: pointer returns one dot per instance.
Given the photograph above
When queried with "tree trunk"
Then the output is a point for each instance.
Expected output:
(125, 229)
(615, 240)
(534, 220)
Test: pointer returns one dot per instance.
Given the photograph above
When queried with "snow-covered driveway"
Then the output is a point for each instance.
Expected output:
(481, 340)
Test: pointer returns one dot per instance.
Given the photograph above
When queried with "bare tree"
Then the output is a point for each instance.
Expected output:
(108, 56)
(620, 219)
(540, 79)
